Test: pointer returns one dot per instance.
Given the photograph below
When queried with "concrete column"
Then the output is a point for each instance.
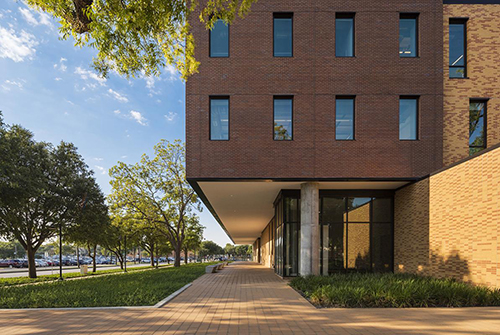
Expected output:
(309, 229)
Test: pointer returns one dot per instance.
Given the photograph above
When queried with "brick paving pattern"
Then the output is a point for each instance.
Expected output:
(246, 298)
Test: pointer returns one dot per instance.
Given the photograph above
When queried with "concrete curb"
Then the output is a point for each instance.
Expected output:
(158, 305)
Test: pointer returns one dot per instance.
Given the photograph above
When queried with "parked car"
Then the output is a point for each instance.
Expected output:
(9, 263)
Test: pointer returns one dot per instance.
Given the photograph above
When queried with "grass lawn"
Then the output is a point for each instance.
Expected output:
(392, 290)
(46, 278)
(139, 288)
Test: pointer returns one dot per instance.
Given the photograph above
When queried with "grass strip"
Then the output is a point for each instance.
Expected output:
(4, 282)
(392, 290)
(139, 288)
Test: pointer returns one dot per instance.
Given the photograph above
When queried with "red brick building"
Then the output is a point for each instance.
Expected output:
(307, 116)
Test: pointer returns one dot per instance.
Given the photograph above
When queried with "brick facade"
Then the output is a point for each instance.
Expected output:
(448, 225)
(377, 76)
(483, 71)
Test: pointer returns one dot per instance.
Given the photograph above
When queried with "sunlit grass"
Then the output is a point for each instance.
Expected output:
(392, 290)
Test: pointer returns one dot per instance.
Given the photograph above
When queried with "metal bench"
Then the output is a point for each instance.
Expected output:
(211, 268)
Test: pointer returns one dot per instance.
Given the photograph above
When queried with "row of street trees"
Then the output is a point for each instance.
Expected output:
(47, 190)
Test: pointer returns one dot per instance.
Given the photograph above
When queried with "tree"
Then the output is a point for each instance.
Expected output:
(11, 249)
(194, 236)
(140, 36)
(210, 249)
(156, 189)
(38, 188)
(229, 250)
(92, 220)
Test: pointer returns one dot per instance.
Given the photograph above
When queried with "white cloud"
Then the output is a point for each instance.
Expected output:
(117, 112)
(172, 72)
(70, 102)
(98, 159)
(86, 74)
(29, 15)
(118, 96)
(57, 79)
(101, 169)
(8, 84)
(170, 116)
(17, 47)
(137, 116)
(123, 157)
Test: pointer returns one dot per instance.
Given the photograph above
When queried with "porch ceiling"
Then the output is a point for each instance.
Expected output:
(244, 208)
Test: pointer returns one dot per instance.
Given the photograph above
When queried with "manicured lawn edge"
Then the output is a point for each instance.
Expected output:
(355, 290)
(126, 290)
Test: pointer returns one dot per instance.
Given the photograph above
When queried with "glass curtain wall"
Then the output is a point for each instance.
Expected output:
(356, 234)
(287, 236)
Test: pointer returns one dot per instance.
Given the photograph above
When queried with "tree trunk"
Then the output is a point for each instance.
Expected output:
(31, 262)
(94, 265)
(177, 261)
(185, 256)
(152, 255)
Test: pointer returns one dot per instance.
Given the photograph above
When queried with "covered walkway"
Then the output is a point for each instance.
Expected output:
(246, 298)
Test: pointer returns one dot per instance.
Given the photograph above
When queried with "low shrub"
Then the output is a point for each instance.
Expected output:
(392, 290)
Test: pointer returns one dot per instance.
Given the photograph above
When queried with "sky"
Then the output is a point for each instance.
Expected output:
(48, 86)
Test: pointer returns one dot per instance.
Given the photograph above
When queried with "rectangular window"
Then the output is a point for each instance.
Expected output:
(344, 118)
(344, 35)
(408, 118)
(458, 48)
(219, 118)
(283, 118)
(219, 39)
(408, 35)
(283, 34)
(477, 126)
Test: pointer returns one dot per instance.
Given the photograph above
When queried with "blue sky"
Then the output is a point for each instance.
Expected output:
(48, 86)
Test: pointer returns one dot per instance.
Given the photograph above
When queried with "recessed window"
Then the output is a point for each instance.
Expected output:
(283, 118)
(458, 49)
(477, 126)
(283, 34)
(408, 118)
(219, 39)
(408, 34)
(219, 118)
(344, 118)
(344, 35)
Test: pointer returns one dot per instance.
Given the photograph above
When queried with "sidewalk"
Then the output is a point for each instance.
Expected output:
(246, 298)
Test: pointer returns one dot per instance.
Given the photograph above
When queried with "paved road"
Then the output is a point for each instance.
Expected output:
(11, 273)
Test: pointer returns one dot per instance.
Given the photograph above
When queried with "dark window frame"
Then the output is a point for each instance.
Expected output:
(485, 124)
(284, 97)
(346, 15)
(219, 97)
(228, 43)
(282, 15)
(463, 21)
(417, 117)
(416, 17)
(346, 97)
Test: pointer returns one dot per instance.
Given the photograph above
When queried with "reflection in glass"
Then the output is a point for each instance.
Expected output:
(344, 37)
(219, 39)
(344, 119)
(408, 119)
(283, 37)
(219, 119)
(457, 50)
(283, 119)
(408, 37)
(381, 245)
(477, 117)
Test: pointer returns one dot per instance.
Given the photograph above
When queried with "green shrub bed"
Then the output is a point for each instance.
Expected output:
(392, 290)
(139, 288)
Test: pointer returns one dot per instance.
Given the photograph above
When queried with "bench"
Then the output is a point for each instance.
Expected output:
(211, 268)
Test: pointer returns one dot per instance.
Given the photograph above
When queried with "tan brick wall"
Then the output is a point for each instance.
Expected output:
(448, 225)
(266, 248)
(483, 70)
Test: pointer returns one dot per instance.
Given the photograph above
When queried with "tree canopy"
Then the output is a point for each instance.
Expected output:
(139, 37)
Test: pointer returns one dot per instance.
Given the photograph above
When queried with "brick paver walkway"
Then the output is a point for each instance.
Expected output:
(246, 298)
